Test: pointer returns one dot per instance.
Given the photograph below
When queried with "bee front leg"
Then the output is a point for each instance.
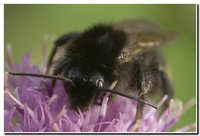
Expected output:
(60, 42)
(63, 40)
(139, 113)
(144, 84)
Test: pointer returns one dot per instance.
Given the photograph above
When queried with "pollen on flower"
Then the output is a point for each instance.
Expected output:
(32, 105)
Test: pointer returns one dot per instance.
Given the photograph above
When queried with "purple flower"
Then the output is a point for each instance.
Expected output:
(32, 105)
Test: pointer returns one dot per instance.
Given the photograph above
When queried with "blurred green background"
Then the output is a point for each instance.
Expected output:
(26, 25)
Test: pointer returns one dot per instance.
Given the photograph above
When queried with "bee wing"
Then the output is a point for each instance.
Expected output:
(142, 37)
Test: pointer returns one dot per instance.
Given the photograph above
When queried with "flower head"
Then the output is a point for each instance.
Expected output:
(32, 105)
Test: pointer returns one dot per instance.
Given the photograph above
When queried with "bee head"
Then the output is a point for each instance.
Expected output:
(87, 81)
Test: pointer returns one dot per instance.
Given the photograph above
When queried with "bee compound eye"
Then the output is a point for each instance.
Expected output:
(99, 83)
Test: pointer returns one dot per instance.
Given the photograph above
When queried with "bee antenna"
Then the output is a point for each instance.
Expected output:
(70, 81)
(129, 96)
(44, 76)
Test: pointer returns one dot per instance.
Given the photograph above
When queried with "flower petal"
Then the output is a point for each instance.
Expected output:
(8, 119)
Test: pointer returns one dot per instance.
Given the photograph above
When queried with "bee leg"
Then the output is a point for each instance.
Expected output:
(166, 88)
(60, 42)
(139, 113)
(144, 84)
